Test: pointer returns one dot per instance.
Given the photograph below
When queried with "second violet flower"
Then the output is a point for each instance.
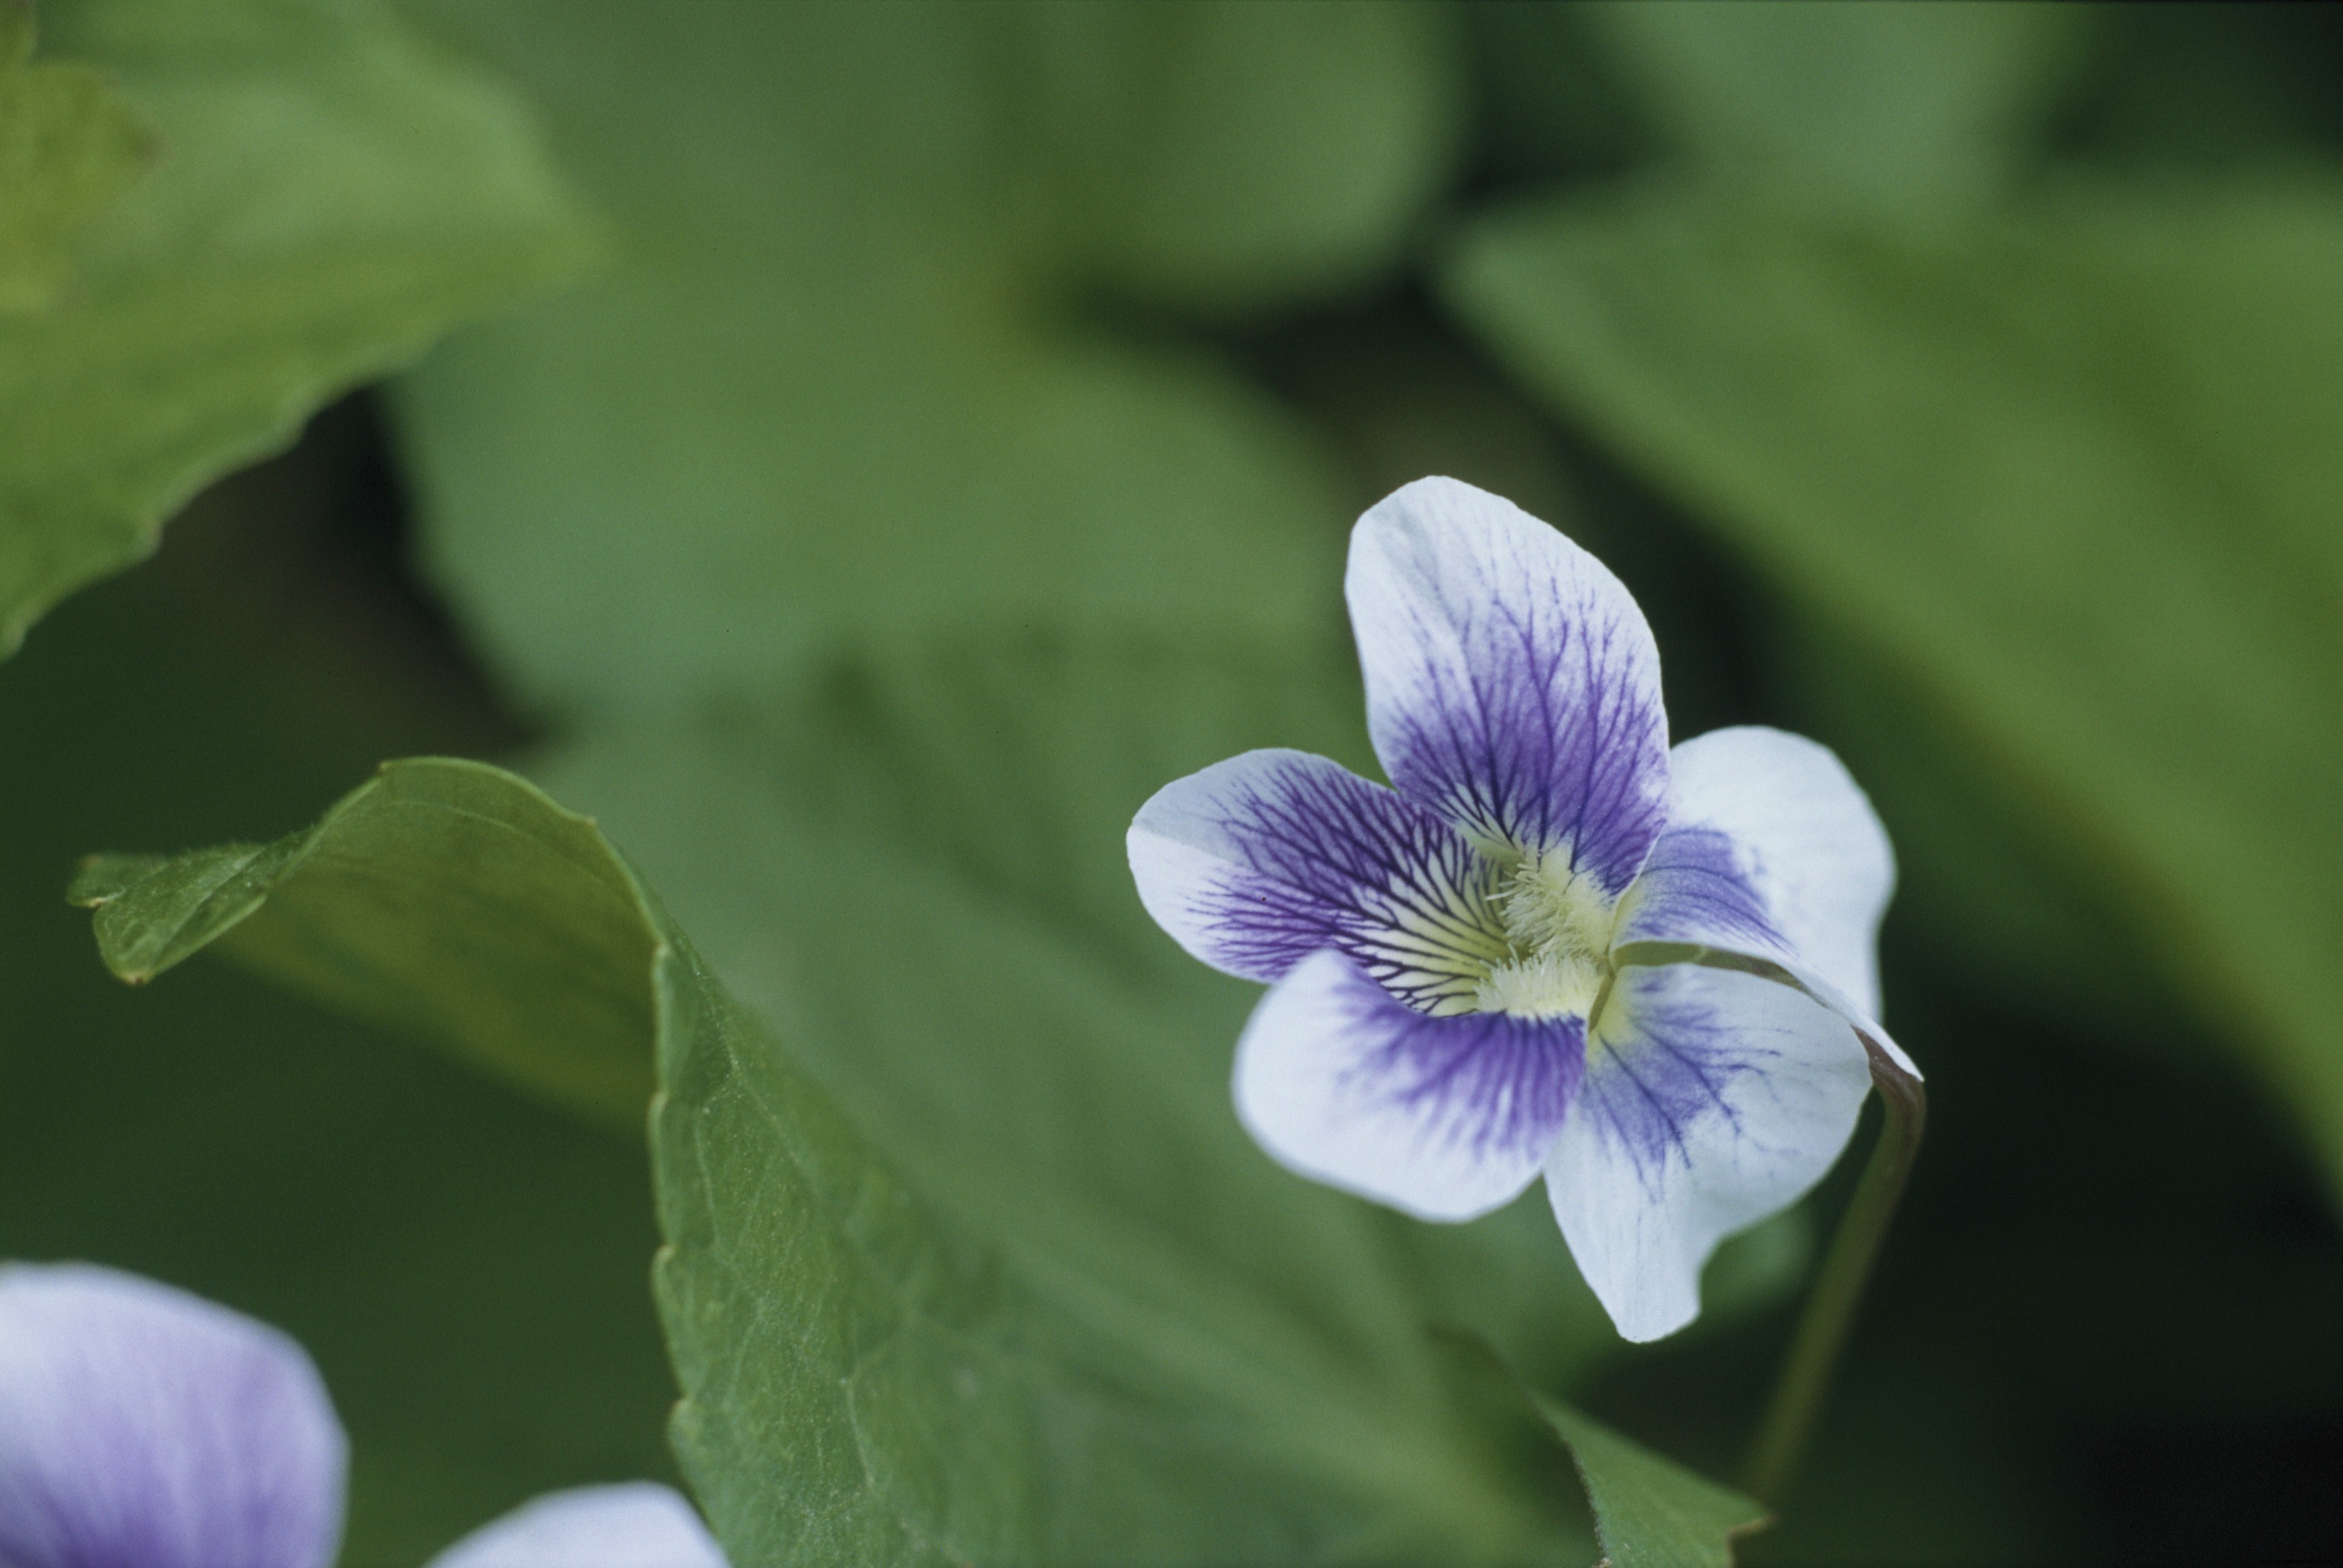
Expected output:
(1554, 945)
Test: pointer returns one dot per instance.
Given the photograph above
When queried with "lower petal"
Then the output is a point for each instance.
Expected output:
(1443, 1118)
(140, 1424)
(637, 1525)
(1713, 1099)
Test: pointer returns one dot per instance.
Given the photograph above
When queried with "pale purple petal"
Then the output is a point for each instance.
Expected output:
(1700, 887)
(1711, 1100)
(637, 1524)
(1444, 1117)
(143, 1427)
(1257, 862)
(1771, 850)
(1512, 685)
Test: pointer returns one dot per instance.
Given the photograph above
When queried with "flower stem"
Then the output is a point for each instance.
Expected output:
(1813, 1356)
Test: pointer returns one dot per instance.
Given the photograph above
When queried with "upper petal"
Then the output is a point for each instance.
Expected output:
(1257, 862)
(637, 1524)
(1771, 849)
(140, 1424)
(1444, 1117)
(1712, 1098)
(1511, 682)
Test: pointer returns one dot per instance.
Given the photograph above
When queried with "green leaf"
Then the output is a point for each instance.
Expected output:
(1897, 104)
(868, 1377)
(1988, 883)
(1650, 1512)
(441, 898)
(870, 361)
(68, 142)
(331, 196)
(2072, 476)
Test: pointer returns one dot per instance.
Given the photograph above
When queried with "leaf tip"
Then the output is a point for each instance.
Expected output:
(99, 879)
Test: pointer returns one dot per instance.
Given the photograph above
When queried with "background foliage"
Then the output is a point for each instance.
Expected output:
(867, 449)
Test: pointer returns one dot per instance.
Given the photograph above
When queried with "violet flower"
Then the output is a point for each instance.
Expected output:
(1554, 946)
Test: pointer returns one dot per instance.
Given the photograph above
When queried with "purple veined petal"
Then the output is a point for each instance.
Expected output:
(1700, 888)
(1443, 1118)
(1512, 685)
(1713, 1099)
(637, 1524)
(143, 1426)
(1771, 850)
(1257, 862)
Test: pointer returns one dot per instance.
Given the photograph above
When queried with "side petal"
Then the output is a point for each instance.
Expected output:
(1512, 685)
(636, 1525)
(1773, 850)
(1865, 1023)
(1257, 862)
(1713, 1099)
(1443, 1118)
(140, 1424)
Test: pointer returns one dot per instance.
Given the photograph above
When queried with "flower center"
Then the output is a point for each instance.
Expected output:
(1519, 933)
(1558, 923)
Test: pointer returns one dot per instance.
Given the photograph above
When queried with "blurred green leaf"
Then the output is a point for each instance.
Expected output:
(68, 141)
(1212, 157)
(1988, 882)
(886, 348)
(330, 196)
(1649, 1512)
(527, 962)
(2073, 474)
(1899, 104)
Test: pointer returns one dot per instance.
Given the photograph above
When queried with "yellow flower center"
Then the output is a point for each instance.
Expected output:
(1525, 935)
(1558, 923)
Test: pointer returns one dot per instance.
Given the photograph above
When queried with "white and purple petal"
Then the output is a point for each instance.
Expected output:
(1712, 1098)
(1443, 1118)
(1771, 850)
(140, 1425)
(635, 1524)
(1512, 683)
(1700, 889)
(1260, 861)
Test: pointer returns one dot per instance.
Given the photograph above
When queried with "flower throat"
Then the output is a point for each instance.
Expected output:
(1558, 922)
